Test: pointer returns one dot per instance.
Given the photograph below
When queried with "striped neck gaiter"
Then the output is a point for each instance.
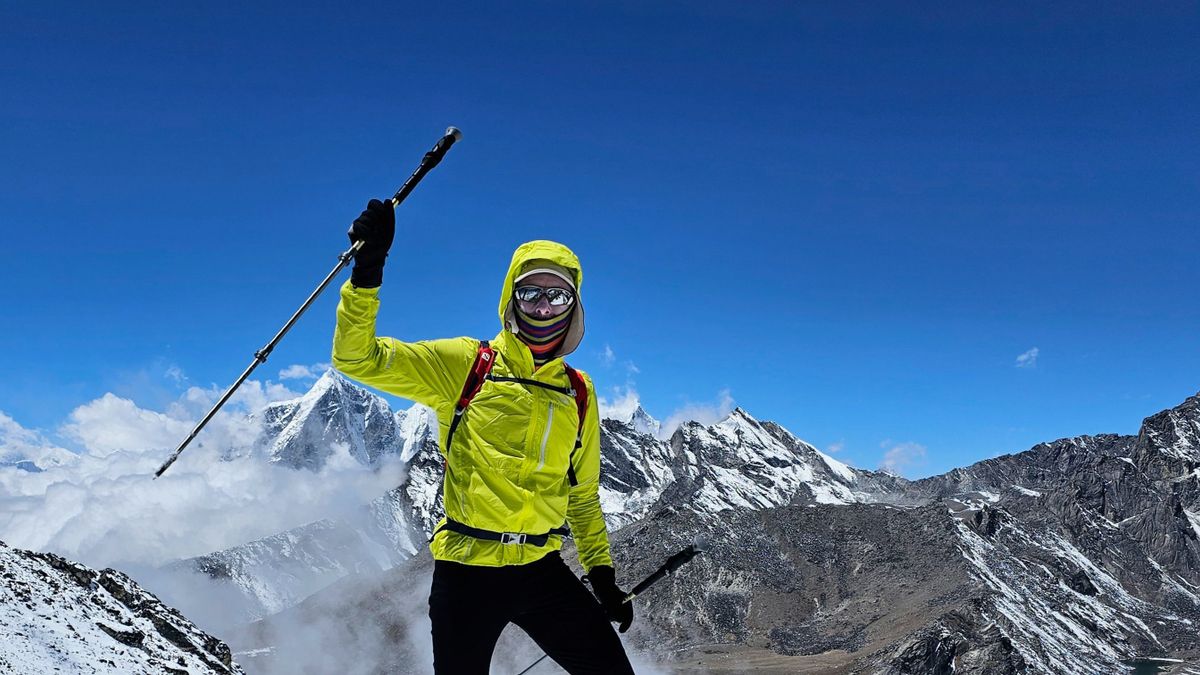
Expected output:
(542, 336)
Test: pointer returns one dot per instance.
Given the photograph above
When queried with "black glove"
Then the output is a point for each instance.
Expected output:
(604, 584)
(376, 228)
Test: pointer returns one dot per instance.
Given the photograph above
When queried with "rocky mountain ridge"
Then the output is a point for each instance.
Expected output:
(60, 616)
(1074, 556)
(1078, 555)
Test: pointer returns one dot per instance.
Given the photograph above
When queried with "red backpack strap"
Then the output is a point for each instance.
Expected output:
(485, 358)
(579, 388)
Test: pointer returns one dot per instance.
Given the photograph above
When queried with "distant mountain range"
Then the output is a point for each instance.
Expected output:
(1076, 556)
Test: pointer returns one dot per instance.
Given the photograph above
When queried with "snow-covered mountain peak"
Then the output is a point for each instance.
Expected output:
(637, 418)
(643, 423)
(330, 385)
(741, 462)
(302, 432)
(417, 425)
(738, 419)
(330, 379)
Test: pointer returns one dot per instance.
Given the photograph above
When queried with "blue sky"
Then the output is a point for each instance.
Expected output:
(851, 219)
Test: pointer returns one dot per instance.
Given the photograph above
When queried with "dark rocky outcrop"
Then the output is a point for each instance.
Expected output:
(60, 616)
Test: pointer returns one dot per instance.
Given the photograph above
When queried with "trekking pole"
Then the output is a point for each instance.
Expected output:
(430, 160)
(667, 569)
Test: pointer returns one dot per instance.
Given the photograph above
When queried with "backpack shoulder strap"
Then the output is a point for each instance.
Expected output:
(579, 389)
(485, 358)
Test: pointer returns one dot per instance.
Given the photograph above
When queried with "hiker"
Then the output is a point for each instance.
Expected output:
(518, 466)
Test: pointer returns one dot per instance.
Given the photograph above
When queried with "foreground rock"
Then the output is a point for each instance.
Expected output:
(59, 616)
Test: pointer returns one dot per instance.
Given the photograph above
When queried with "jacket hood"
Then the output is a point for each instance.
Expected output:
(526, 257)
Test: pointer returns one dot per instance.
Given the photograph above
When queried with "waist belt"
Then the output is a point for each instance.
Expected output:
(502, 537)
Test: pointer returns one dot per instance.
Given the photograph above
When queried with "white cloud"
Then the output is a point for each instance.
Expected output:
(1028, 359)
(834, 448)
(621, 406)
(110, 424)
(175, 374)
(251, 396)
(302, 372)
(18, 444)
(105, 509)
(15, 439)
(901, 457)
(607, 357)
(704, 413)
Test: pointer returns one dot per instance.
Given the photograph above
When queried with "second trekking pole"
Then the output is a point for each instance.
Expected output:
(665, 570)
(430, 160)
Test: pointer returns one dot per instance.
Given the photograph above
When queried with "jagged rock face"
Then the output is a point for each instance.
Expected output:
(303, 433)
(59, 616)
(1132, 503)
(956, 642)
(1168, 446)
(1043, 466)
(1056, 601)
(419, 497)
(634, 470)
(796, 579)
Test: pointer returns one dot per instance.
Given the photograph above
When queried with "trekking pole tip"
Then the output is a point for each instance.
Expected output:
(454, 131)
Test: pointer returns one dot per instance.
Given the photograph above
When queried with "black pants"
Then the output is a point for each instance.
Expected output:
(470, 605)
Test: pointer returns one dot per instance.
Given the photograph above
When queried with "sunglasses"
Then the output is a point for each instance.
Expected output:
(557, 297)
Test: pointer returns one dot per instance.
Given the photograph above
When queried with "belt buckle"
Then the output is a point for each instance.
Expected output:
(512, 538)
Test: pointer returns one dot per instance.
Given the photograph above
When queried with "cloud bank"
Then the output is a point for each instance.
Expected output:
(103, 508)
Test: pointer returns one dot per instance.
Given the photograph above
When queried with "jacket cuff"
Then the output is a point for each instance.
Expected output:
(367, 277)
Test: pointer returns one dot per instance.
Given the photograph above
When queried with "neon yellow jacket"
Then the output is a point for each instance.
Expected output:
(507, 470)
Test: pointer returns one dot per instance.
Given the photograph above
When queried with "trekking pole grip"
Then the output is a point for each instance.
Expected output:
(431, 159)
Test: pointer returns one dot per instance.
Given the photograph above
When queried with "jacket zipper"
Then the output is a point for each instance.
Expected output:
(546, 436)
